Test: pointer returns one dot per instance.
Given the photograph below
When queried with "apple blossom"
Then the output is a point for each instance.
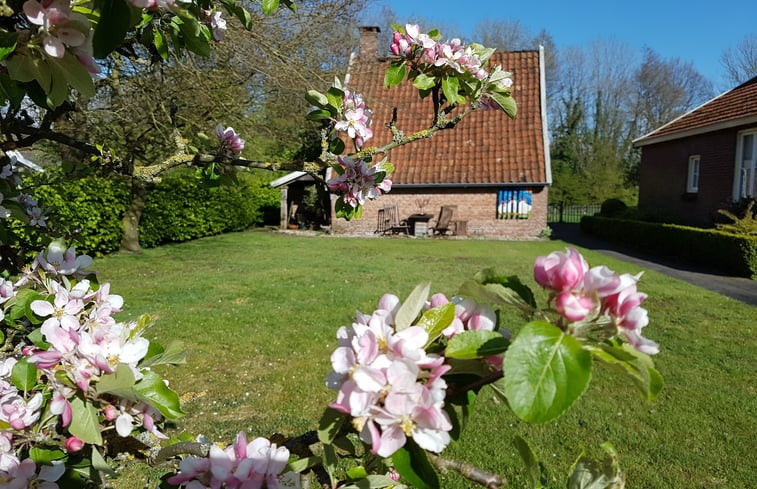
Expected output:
(231, 143)
(243, 465)
(356, 181)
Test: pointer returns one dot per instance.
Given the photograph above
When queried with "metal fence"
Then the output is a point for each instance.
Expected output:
(570, 213)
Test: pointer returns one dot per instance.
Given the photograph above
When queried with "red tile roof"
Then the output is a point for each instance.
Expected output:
(487, 147)
(734, 107)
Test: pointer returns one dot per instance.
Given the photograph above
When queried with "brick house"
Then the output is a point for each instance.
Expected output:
(479, 166)
(702, 161)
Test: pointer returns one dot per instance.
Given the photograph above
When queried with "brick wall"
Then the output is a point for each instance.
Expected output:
(477, 206)
(663, 172)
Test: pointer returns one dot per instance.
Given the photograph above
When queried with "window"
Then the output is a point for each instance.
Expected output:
(514, 203)
(745, 178)
(692, 177)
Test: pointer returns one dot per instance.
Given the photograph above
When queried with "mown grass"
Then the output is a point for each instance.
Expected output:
(258, 313)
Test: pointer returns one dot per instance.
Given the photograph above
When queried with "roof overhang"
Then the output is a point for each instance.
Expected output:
(294, 176)
(647, 140)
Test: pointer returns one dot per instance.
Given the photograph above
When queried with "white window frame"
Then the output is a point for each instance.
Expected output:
(692, 175)
(745, 171)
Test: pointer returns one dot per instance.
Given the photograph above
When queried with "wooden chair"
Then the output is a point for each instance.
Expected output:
(444, 221)
(392, 222)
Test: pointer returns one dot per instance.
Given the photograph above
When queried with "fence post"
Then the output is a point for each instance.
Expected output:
(562, 205)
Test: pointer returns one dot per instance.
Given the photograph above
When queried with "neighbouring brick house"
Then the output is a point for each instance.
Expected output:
(478, 166)
(702, 161)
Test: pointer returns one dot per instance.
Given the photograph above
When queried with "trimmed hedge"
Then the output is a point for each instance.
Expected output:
(85, 211)
(182, 208)
(728, 252)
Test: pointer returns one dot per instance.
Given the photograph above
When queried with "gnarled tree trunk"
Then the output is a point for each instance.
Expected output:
(130, 239)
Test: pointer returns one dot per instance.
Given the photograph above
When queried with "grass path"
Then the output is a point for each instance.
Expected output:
(258, 313)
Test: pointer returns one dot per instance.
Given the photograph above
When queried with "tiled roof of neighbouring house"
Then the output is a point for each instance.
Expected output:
(733, 107)
(487, 147)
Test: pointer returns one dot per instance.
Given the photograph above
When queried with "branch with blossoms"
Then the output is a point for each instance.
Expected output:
(454, 74)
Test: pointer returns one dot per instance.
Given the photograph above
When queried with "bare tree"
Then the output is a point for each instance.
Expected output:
(740, 63)
(666, 89)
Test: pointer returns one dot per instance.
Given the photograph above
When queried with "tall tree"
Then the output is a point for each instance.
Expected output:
(740, 63)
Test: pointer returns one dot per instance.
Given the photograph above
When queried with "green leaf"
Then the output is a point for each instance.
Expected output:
(153, 391)
(357, 472)
(24, 68)
(424, 82)
(196, 36)
(45, 456)
(330, 461)
(495, 295)
(450, 87)
(412, 306)
(99, 464)
(371, 482)
(160, 44)
(395, 74)
(335, 97)
(7, 43)
(533, 466)
(412, 464)
(174, 354)
(336, 146)
(114, 23)
(74, 74)
(301, 464)
(11, 90)
(546, 371)
(120, 383)
(84, 424)
(639, 366)
(20, 306)
(24, 375)
(489, 276)
(592, 474)
(329, 425)
(436, 320)
(316, 98)
(269, 6)
(318, 115)
(506, 103)
(240, 12)
(476, 344)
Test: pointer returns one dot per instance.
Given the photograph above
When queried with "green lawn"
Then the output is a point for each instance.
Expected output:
(258, 313)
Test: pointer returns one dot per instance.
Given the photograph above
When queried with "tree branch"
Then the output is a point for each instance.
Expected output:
(473, 474)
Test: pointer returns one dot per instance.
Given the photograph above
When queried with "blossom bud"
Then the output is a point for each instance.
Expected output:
(111, 412)
(73, 444)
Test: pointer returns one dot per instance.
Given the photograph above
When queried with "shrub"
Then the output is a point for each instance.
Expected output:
(182, 207)
(727, 251)
(87, 212)
(612, 208)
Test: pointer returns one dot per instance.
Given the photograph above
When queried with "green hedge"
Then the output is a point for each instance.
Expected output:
(87, 212)
(182, 208)
(727, 252)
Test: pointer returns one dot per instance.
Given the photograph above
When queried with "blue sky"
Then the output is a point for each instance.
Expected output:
(695, 31)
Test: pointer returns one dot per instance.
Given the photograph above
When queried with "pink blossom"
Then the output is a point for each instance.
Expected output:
(560, 272)
(231, 143)
(574, 307)
(19, 413)
(60, 26)
(356, 181)
(244, 465)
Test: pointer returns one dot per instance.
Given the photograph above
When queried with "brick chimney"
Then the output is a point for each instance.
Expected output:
(369, 42)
